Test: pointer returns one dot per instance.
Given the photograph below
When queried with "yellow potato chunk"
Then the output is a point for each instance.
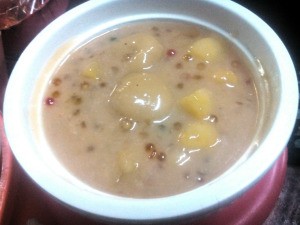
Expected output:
(199, 135)
(140, 50)
(199, 104)
(127, 161)
(207, 49)
(226, 77)
(92, 70)
(142, 97)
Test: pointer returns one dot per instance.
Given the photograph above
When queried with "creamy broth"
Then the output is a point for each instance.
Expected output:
(151, 109)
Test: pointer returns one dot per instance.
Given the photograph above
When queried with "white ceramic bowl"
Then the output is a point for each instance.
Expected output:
(74, 27)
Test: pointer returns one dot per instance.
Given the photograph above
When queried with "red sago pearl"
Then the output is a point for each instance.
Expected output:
(171, 52)
(49, 101)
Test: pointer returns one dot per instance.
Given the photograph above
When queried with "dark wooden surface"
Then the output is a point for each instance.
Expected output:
(287, 209)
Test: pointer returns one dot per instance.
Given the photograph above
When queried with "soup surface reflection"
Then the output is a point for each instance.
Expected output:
(151, 109)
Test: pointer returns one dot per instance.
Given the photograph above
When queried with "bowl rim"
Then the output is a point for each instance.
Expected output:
(128, 208)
